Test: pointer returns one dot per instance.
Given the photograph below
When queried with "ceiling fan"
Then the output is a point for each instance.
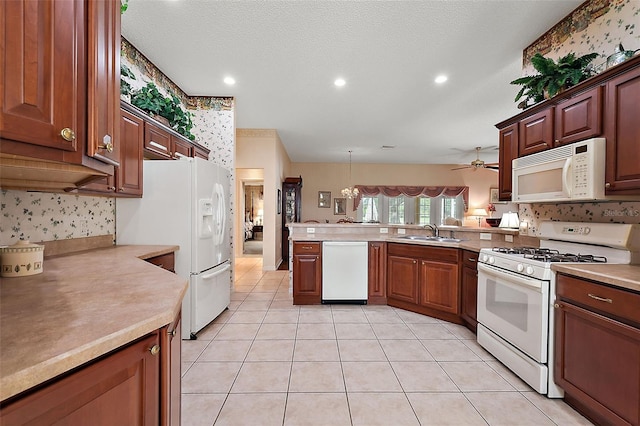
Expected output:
(478, 163)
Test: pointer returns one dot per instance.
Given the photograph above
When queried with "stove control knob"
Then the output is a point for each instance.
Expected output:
(520, 267)
(529, 270)
(484, 258)
(492, 260)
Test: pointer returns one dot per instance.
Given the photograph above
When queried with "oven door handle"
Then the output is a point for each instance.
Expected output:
(514, 278)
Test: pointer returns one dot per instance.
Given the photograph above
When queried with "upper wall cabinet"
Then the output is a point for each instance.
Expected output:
(46, 80)
(603, 106)
(103, 72)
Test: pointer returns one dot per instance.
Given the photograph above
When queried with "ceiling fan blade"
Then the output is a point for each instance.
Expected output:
(465, 167)
(492, 167)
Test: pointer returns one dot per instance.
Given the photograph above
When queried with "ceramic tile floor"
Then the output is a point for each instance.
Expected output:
(267, 362)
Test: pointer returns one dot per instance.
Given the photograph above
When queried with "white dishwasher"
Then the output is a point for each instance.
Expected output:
(344, 272)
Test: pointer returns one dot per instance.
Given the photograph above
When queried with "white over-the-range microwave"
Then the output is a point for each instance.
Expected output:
(573, 172)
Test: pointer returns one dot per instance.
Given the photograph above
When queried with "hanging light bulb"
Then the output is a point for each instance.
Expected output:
(350, 191)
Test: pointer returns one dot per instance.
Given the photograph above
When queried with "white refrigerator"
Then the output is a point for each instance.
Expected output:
(185, 203)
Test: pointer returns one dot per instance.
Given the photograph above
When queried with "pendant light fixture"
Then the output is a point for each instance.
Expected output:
(350, 191)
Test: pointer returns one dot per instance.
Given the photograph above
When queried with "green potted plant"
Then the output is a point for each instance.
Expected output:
(149, 99)
(553, 77)
(125, 87)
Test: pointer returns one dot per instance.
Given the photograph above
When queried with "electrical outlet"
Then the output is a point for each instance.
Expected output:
(384, 230)
(402, 231)
(508, 238)
(485, 236)
(311, 230)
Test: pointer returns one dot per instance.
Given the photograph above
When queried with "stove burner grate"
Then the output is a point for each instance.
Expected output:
(566, 257)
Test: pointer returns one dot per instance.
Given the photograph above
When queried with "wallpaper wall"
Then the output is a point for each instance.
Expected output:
(38, 216)
(41, 216)
(597, 26)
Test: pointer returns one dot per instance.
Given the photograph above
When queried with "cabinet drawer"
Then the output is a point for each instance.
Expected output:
(306, 247)
(157, 142)
(424, 252)
(620, 303)
(165, 261)
(470, 259)
(181, 148)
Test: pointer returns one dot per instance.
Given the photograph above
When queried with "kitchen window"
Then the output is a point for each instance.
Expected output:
(409, 210)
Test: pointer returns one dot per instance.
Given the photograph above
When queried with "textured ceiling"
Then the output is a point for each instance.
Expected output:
(285, 56)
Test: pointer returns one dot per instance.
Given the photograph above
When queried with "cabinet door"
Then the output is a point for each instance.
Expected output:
(536, 133)
(129, 174)
(622, 173)
(469, 284)
(439, 286)
(579, 118)
(402, 279)
(170, 388)
(157, 142)
(121, 389)
(508, 151)
(307, 279)
(103, 81)
(181, 148)
(42, 89)
(201, 152)
(377, 273)
(597, 363)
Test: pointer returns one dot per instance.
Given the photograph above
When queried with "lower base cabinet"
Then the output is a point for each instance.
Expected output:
(597, 359)
(424, 279)
(469, 289)
(138, 384)
(307, 272)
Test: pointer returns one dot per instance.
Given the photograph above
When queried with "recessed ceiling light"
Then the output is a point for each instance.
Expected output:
(230, 81)
(441, 79)
(339, 82)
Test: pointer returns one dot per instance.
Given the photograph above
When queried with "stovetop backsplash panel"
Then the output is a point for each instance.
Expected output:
(611, 212)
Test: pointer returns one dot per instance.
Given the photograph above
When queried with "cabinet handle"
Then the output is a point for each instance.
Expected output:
(307, 247)
(111, 188)
(601, 299)
(68, 134)
(415, 261)
(171, 333)
(607, 185)
(557, 141)
(121, 189)
(473, 259)
(106, 143)
(155, 350)
(557, 305)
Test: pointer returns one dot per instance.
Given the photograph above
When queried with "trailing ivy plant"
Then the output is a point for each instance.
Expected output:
(124, 4)
(149, 99)
(125, 87)
(553, 77)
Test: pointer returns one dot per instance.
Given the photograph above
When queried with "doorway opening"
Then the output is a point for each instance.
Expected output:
(253, 218)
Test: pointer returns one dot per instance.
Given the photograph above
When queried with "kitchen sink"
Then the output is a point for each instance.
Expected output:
(430, 238)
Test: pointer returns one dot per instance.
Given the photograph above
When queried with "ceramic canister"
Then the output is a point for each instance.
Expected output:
(21, 259)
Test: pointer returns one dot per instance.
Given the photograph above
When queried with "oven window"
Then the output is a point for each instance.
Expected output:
(508, 304)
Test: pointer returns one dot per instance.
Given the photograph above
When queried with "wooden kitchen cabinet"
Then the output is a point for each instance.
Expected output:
(165, 261)
(377, 273)
(597, 350)
(622, 172)
(424, 279)
(103, 77)
(170, 377)
(201, 152)
(122, 388)
(291, 209)
(469, 289)
(579, 118)
(44, 112)
(307, 272)
(127, 178)
(508, 151)
(157, 142)
(535, 133)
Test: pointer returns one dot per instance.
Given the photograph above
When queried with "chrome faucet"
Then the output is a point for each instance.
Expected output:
(434, 228)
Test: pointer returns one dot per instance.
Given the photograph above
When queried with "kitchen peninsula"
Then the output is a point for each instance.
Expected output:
(103, 316)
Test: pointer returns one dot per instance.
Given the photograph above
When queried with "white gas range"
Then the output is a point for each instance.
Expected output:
(516, 292)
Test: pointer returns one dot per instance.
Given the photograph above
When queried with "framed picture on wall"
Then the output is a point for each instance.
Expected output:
(279, 202)
(494, 196)
(339, 206)
(324, 199)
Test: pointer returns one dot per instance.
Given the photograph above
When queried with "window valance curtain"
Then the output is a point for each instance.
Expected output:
(412, 191)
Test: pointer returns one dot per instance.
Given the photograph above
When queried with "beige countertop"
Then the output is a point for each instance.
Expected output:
(81, 307)
(625, 276)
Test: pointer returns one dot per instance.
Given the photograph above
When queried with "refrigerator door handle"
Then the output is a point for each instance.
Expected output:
(213, 274)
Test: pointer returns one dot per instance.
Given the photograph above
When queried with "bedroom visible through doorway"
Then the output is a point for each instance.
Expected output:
(253, 219)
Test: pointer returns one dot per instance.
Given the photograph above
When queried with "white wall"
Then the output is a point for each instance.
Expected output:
(262, 149)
